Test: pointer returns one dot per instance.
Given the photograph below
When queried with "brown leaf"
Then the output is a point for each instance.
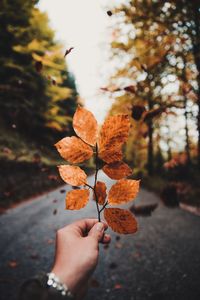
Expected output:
(85, 126)
(149, 115)
(130, 89)
(112, 155)
(118, 286)
(77, 199)
(55, 212)
(94, 283)
(120, 220)
(123, 191)
(68, 51)
(100, 192)
(109, 13)
(114, 133)
(74, 149)
(72, 175)
(13, 264)
(117, 170)
(137, 112)
(38, 66)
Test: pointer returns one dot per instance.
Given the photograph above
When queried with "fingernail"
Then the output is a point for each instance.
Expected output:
(100, 227)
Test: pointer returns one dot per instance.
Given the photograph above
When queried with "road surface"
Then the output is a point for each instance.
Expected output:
(160, 262)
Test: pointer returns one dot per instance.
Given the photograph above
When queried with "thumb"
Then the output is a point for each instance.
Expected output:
(97, 231)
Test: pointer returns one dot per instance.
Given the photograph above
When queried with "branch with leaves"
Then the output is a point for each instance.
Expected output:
(106, 146)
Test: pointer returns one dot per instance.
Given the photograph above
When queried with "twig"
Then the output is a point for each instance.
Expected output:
(103, 207)
(95, 182)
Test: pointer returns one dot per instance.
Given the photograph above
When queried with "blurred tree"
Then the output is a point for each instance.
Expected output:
(153, 47)
(35, 101)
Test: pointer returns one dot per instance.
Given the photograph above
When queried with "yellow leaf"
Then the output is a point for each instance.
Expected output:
(74, 149)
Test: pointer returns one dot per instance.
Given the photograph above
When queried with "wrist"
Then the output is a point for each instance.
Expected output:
(54, 282)
(67, 279)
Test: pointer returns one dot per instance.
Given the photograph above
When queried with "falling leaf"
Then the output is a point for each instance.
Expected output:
(113, 266)
(123, 191)
(94, 283)
(117, 170)
(34, 256)
(77, 199)
(137, 112)
(74, 149)
(120, 220)
(38, 66)
(109, 13)
(118, 286)
(13, 264)
(118, 238)
(114, 133)
(130, 89)
(68, 51)
(149, 115)
(55, 212)
(143, 210)
(62, 191)
(72, 175)
(100, 190)
(85, 125)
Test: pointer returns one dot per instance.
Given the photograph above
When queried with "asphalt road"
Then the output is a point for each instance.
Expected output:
(160, 262)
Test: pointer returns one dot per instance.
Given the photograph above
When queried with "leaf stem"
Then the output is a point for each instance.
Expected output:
(95, 182)
(103, 207)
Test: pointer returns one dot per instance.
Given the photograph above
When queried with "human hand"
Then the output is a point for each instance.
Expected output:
(77, 250)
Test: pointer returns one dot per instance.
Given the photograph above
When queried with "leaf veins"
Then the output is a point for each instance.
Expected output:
(114, 133)
(123, 191)
(101, 194)
(85, 125)
(77, 199)
(74, 149)
(120, 220)
(117, 170)
(72, 175)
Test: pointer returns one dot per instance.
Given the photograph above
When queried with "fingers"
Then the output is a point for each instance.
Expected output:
(97, 231)
(85, 225)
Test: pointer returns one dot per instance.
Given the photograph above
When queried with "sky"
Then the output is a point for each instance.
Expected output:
(84, 26)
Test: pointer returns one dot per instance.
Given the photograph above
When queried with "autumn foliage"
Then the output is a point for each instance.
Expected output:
(106, 146)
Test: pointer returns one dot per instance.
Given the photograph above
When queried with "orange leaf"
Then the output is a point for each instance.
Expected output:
(100, 192)
(117, 170)
(123, 191)
(111, 155)
(114, 133)
(77, 199)
(85, 125)
(74, 149)
(73, 175)
(120, 220)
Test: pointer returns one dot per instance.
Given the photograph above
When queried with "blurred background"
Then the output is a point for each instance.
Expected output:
(138, 57)
(135, 57)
